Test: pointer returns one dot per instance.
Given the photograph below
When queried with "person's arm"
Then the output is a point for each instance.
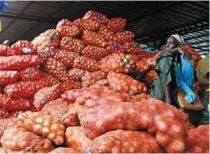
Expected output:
(168, 94)
(140, 75)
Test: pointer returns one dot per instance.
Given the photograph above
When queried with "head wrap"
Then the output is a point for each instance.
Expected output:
(179, 38)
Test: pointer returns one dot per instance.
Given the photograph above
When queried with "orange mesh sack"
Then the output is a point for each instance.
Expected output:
(63, 109)
(66, 57)
(19, 140)
(198, 140)
(67, 28)
(85, 63)
(8, 77)
(92, 77)
(131, 47)
(87, 24)
(124, 83)
(4, 50)
(76, 74)
(45, 53)
(56, 69)
(71, 44)
(30, 74)
(45, 125)
(121, 141)
(125, 36)
(94, 52)
(117, 24)
(25, 89)
(107, 33)
(44, 95)
(76, 139)
(93, 38)
(18, 62)
(13, 104)
(63, 150)
(97, 16)
(166, 122)
(50, 37)
(114, 62)
(22, 47)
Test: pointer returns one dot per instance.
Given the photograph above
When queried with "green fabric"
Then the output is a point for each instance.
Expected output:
(165, 75)
(205, 112)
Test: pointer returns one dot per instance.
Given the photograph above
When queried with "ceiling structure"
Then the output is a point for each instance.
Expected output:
(151, 21)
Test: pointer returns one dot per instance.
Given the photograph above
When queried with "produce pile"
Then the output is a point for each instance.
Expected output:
(69, 90)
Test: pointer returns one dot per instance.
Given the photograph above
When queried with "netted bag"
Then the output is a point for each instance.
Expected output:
(97, 16)
(117, 24)
(72, 44)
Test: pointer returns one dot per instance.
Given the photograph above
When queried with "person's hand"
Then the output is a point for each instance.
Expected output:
(190, 98)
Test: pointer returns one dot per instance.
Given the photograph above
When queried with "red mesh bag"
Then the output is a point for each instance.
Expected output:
(2, 150)
(71, 44)
(165, 121)
(44, 95)
(76, 139)
(31, 74)
(114, 47)
(95, 52)
(145, 55)
(1, 89)
(18, 62)
(8, 114)
(96, 15)
(63, 22)
(125, 36)
(140, 97)
(22, 47)
(107, 33)
(4, 50)
(150, 77)
(52, 80)
(63, 109)
(70, 31)
(66, 57)
(121, 82)
(93, 38)
(19, 140)
(80, 96)
(115, 62)
(13, 104)
(92, 77)
(25, 88)
(6, 124)
(8, 77)
(50, 37)
(121, 141)
(63, 150)
(85, 63)
(103, 82)
(76, 74)
(198, 140)
(44, 125)
(56, 69)
(70, 84)
(194, 54)
(117, 24)
(87, 24)
(45, 53)
(131, 47)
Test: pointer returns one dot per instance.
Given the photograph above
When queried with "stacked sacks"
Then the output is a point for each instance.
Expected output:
(80, 78)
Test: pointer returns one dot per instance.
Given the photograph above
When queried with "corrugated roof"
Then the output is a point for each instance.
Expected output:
(148, 20)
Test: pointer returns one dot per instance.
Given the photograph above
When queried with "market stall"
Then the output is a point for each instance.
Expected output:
(70, 90)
